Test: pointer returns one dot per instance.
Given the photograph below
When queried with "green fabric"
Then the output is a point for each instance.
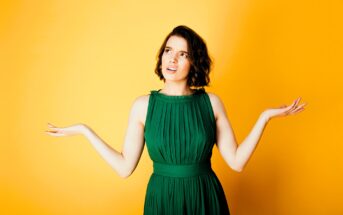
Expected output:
(182, 170)
(180, 132)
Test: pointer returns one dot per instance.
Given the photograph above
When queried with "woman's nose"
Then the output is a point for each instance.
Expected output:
(173, 58)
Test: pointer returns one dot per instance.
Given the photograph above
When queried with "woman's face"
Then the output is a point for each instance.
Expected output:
(175, 59)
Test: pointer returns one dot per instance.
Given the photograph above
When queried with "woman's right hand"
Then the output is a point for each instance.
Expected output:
(65, 131)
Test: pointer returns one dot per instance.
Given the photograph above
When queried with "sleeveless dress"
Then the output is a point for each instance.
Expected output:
(180, 132)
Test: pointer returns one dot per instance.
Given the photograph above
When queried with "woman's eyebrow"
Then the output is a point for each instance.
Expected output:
(172, 48)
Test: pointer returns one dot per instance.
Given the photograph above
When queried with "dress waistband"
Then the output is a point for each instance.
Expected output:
(182, 170)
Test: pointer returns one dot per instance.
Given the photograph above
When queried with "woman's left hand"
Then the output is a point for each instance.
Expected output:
(284, 110)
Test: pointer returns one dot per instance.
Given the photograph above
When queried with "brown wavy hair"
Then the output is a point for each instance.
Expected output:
(201, 63)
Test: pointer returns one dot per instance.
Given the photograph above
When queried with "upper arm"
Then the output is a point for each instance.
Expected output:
(134, 138)
(226, 141)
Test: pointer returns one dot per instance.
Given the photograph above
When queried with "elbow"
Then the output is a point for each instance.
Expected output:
(124, 173)
(238, 169)
(237, 166)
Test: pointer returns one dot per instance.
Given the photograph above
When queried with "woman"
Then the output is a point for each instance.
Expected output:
(180, 125)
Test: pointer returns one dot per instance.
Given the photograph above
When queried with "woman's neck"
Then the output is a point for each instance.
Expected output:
(176, 90)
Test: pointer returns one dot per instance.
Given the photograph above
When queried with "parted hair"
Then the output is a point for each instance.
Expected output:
(201, 63)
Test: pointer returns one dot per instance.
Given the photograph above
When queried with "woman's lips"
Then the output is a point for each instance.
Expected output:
(172, 68)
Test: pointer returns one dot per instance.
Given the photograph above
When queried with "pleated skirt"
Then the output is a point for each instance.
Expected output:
(200, 195)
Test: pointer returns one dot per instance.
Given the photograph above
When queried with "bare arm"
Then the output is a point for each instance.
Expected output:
(226, 140)
(238, 156)
(248, 146)
(125, 162)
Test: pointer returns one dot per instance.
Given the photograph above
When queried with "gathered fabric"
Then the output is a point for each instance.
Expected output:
(180, 132)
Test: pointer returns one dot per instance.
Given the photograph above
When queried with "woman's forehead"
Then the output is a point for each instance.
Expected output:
(177, 42)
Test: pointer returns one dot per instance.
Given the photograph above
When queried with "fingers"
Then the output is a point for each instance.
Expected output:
(296, 102)
(287, 109)
(54, 134)
(299, 108)
(293, 107)
(61, 131)
(296, 111)
(53, 128)
(54, 131)
(50, 125)
(290, 107)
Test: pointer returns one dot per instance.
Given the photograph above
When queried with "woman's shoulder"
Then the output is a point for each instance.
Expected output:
(216, 102)
(215, 99)
(141, 99)
(141, 102)
(140, 105)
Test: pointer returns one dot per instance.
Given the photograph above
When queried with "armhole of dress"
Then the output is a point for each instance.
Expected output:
(147, 117)
(210, 109)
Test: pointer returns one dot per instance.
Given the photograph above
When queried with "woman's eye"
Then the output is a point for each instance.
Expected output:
(184, 55)
(166, 50)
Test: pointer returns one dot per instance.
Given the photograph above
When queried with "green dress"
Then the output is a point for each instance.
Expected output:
(180, 132)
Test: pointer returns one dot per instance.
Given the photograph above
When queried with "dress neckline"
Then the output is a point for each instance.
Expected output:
(178, 97)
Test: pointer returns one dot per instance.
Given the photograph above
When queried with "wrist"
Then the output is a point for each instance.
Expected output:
(84, 129)
(265, 117)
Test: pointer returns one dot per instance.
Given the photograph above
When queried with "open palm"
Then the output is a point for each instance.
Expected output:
(285, 110)
(65, 131)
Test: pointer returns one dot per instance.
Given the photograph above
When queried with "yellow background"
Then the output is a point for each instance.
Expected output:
(69, 62)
